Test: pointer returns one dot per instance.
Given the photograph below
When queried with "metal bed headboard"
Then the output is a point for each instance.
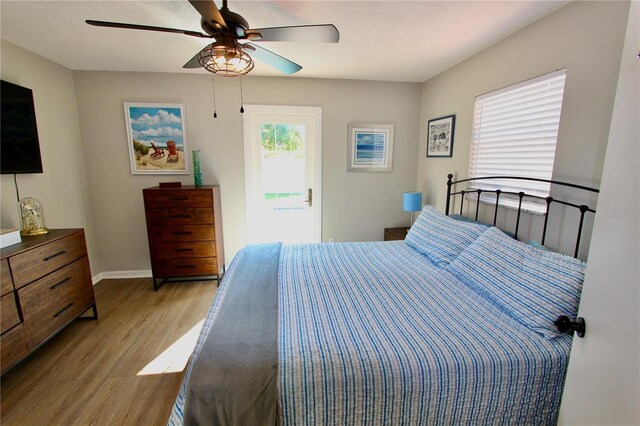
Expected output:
(549, 200)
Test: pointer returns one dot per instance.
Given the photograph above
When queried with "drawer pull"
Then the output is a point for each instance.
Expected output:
(185, 266)
(182, 233)
(180, 216)
(46, 259)
(60, 283)
(178, 198)
(182, 249)
(63, 309)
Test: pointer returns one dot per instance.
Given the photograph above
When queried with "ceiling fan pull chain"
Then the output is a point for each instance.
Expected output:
(213, 82)
(241, 102)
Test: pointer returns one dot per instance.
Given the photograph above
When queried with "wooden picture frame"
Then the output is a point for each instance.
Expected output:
(440, 132)
(370, 147)
(157, 138)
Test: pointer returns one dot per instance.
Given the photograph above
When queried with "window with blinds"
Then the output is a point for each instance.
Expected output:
(515, 130)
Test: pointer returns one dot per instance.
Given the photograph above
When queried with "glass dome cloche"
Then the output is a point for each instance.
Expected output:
(32, 217)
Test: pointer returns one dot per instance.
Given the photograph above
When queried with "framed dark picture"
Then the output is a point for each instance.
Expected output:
(440, 136)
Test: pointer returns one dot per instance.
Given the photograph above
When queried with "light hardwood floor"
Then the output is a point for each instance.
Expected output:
(88, 374)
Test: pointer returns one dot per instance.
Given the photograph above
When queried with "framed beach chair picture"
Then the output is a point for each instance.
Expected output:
(157, 138)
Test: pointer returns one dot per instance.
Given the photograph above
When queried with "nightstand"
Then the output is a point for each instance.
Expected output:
(391, 234)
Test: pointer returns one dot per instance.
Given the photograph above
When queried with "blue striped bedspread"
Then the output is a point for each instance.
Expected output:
(374, 333)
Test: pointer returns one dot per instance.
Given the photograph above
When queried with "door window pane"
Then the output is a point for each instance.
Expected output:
(283, 166)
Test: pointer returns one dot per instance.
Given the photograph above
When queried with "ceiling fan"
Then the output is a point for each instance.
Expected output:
(233, 39)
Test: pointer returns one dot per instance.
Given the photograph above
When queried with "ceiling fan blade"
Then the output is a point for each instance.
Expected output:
(209, 11)
(326, 33)
(193, 62)
(145, 27)
(282, 64)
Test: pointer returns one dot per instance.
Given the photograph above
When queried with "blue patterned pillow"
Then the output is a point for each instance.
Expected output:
(441, 238)
(533, 286)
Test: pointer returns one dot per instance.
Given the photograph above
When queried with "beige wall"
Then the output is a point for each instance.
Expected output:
(356, 206)
(63, 187)
(585, 38)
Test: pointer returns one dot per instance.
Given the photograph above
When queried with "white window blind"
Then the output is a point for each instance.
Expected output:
(515, 130)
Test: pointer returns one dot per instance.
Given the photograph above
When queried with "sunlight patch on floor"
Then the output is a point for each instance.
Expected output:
(174, 359)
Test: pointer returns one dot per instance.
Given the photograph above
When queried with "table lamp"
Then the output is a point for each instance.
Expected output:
(412, 202)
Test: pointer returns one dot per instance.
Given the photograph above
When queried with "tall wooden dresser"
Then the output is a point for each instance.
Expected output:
(184, 228)
(46, 284)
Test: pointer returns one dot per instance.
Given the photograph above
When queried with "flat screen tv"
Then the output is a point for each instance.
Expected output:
(20, 147)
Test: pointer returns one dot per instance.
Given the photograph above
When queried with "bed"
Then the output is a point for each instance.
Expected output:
(452, 325)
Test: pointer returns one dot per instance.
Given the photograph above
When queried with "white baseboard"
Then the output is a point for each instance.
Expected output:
(120, 274)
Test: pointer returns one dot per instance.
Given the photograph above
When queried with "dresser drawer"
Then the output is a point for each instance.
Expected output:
(182, 250)
(45, 298)
(6, 285)
(166, 198)
(8, 312)
(39, 328)
(177, 233)
(164, 217)
(185, 267)
(33, 264)
(14, 347)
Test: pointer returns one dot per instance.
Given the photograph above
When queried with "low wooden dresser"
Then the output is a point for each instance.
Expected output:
(46, 284)
(184, 228)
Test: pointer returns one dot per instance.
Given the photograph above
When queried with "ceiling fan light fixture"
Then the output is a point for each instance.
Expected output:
(228, 61)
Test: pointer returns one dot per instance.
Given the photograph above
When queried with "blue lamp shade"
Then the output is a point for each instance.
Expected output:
(412, 201)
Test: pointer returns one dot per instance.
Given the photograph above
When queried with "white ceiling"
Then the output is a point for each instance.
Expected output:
(390, 40)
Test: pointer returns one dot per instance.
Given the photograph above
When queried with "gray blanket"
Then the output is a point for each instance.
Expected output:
(234, 377)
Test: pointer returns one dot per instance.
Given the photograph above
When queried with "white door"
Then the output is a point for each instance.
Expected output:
(603, 378)
(283, 166)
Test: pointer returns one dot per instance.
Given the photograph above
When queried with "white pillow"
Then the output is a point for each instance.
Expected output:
(441, 238)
